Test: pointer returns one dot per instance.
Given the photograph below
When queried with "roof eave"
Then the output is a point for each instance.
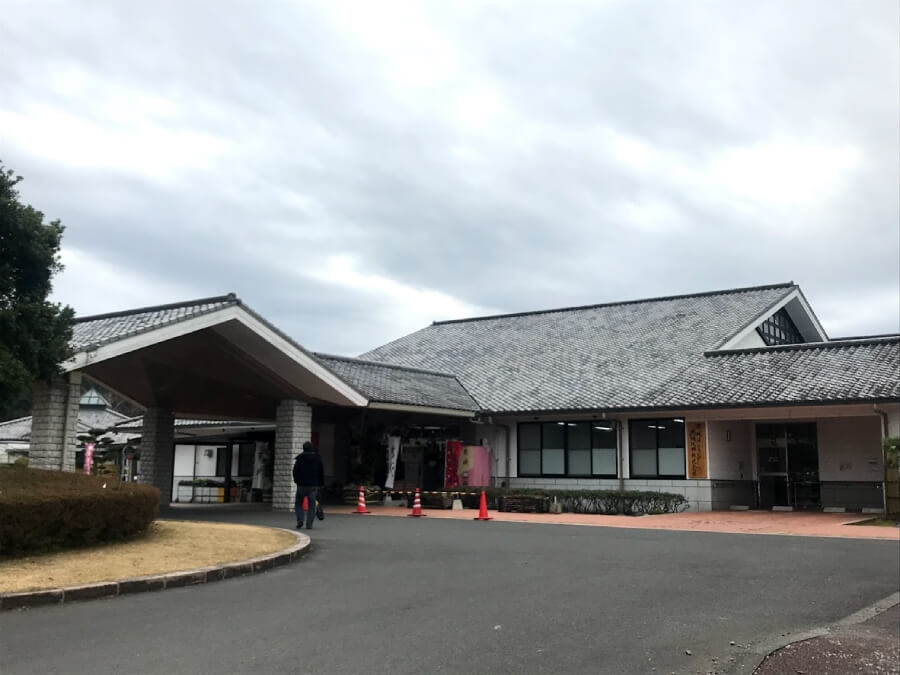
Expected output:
(695, 406)
(422, 409)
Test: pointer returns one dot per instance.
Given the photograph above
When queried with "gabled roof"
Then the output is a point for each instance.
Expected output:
(609, 356)
(89, 418)
(17, 429)
(93, 398)
(283, 366)
(374, 384)
(93, 331)
(384, 383)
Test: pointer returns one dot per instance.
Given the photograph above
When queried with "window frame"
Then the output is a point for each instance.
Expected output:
(656, 422)
(222, 461)
(566, 471)
(246, 457)
(780, 329)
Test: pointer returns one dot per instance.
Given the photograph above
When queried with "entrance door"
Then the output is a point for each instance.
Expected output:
(788, 462)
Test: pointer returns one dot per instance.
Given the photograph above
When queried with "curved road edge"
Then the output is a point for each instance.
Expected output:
(753, 657)
(159, 582)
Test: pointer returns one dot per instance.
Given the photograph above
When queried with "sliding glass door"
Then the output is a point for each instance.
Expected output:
(788, 463)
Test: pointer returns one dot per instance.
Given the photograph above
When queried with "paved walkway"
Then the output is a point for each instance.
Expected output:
(735, 522)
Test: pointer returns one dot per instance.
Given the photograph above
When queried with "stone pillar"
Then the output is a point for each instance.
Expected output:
(293, 427)
(158, 451)
(54, 422)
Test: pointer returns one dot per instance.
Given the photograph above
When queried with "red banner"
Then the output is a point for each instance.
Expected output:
(451, 477)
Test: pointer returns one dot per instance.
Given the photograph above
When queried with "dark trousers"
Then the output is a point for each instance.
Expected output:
(310, 493)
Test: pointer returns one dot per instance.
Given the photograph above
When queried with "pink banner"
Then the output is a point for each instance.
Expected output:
(88, 457)
(475, 466)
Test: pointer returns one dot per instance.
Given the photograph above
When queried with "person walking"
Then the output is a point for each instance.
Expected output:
(309, 475)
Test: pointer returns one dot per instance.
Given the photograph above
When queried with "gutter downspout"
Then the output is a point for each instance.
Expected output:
(621, 457)
(884, 467)
(508, 429)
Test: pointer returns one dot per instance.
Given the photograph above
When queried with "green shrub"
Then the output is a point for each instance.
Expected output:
(628, 502)
(46, 510)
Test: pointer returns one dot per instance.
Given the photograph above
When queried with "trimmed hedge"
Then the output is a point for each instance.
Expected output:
(626, 502)
(612, 502)
(47, 510)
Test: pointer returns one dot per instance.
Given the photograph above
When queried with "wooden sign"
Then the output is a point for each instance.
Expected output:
(696, 441)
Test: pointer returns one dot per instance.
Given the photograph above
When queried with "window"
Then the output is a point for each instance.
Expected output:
(575, 449)
(779, 329)
(529, 449)
(553, 449)
(657, 448)
(221, 458)
(246, 457)
(604, 450)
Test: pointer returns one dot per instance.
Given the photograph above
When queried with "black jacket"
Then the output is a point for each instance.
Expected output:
(308, 470)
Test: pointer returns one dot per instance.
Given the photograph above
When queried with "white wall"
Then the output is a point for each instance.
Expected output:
(850, 449)
(184, 460)
(730, 459)
(749, 341)
(893, 415)
(494, 437)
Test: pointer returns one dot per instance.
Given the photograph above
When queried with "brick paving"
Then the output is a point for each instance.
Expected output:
(735, 522)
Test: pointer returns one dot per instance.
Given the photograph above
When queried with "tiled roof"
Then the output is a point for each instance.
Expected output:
(137, 423)
(93, 331)
(16, 429)
(602, 356)
(385, 383)
(88, 419)
(837, 371)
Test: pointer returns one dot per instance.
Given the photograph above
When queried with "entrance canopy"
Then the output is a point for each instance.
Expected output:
(215, 358)
(206, 357)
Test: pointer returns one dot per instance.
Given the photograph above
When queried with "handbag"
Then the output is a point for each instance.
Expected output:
(320, 514)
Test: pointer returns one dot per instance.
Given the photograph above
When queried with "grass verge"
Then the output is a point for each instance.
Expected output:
(169, 546)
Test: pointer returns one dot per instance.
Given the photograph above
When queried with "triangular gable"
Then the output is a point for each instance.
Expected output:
(795, 304)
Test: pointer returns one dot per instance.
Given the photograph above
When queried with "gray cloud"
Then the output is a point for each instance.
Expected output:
(354, 173)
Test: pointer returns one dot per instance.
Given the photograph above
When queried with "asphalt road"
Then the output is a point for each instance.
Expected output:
(404, 595)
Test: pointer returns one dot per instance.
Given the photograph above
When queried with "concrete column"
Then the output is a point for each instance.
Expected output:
(293, 427)
(54, 423)
(158, 451)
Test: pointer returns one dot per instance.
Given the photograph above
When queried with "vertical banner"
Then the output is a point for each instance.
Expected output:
(475, 466)
(393, 454)
(88, 457)
(696, 441)
(451, 475)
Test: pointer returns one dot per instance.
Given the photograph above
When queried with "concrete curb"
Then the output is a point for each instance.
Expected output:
(755, 655)
(158, 582)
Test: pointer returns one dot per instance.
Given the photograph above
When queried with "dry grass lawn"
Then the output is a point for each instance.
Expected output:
(169, 546)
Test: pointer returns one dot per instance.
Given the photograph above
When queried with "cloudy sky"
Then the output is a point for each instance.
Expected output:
(355, 170)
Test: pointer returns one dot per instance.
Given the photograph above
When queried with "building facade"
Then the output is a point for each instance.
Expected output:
(733, 398)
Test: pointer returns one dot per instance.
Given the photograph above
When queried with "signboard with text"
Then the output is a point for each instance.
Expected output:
(696, 441)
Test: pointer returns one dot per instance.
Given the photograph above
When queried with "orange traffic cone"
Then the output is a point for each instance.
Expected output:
(482, 509)
(361, 502)
(417, 507)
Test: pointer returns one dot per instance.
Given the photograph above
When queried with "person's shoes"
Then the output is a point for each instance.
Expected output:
(299, 526)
